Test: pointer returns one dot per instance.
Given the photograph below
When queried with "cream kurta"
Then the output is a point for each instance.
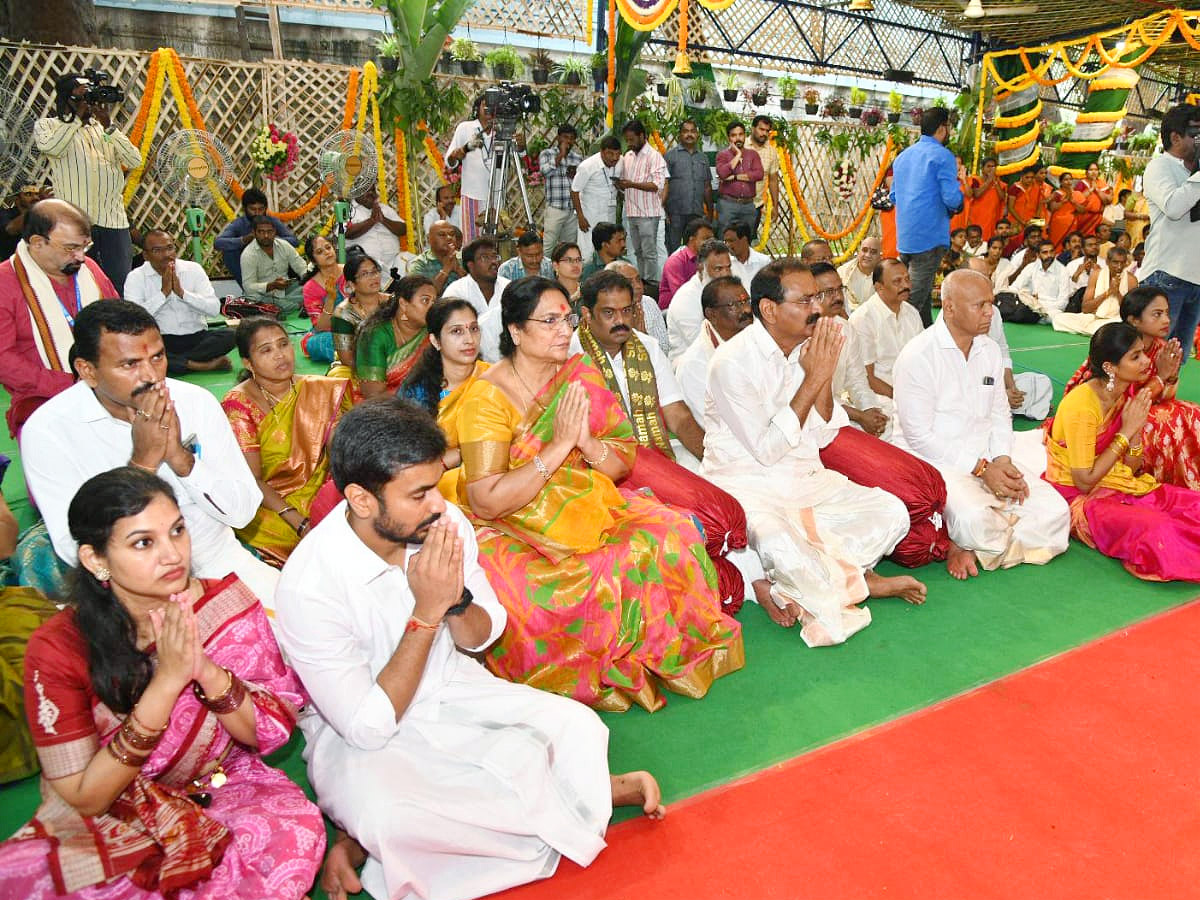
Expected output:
(1109, 309)
(482, 784)
(952, 411)
(816, 531)
(882, 333)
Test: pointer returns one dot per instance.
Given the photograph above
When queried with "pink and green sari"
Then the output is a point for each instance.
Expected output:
(611, 596)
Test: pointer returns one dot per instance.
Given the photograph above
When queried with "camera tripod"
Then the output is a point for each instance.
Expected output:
(503, 151)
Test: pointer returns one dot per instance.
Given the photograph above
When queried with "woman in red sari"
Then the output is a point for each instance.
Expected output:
(1095, 458)
(1172, 431)
(610, 594)
(151, 700)
(1092, 194)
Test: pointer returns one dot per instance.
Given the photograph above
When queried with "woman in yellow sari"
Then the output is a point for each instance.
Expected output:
(393, 338)
(282, 423)
(439, 380)
(610, 594)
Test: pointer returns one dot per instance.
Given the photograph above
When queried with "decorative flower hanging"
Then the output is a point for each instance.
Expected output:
(274, 153)
(844, 178)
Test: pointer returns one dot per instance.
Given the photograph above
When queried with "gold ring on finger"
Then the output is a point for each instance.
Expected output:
(143, 413)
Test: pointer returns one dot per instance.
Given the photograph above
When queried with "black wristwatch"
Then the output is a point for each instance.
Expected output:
(461, 606)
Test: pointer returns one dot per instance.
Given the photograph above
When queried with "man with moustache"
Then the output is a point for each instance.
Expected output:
(744, 260)
(43, 287)
(883, 325)
(637, 372)
(726, 305)
(768, 411)
(862, 454)
(688, 193)
(1077, 273)
(448, 781)
(125, 411)
(439, 262)
(739, 171)
(681, 265)
(482, 285)
(272, 269)
(952, 411)
(1039, 286)
(760, 143)
(686, 314)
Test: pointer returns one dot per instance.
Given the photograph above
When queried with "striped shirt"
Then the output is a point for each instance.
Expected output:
(86, 167)
(644, 165)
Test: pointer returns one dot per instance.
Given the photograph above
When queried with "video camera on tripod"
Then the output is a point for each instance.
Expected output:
(507, 103)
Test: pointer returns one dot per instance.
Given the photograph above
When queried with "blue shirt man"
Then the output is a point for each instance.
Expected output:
(239, 233)
(926, 192)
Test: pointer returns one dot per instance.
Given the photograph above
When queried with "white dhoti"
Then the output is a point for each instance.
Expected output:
(486, 796)
(816, 556)
(1038, 392)
(1003, 533)
(1079, 323)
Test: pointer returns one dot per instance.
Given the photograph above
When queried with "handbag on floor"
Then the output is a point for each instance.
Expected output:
(244, 308)
(1011, 309)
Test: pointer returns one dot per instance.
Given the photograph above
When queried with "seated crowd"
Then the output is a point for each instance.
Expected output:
(572, 474)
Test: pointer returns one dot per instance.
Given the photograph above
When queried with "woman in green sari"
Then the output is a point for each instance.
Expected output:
(282, 423)
(392, 339)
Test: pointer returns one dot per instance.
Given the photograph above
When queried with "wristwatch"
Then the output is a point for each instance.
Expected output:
(461, 606)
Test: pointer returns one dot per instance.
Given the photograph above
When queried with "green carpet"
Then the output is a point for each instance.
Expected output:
(790, 699)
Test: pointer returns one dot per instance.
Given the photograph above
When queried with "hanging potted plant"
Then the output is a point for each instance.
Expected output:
(788, 86)
(812, 97)
(600, 69)
(506, 63)
(835, 107)
(758, 94)
(388, 48)
(729, 87)
(915, 114)
(895, 106)
(697, 90)
(570, 70)
(468, 55)
(871, 116)
(539, 65)
(858, 97)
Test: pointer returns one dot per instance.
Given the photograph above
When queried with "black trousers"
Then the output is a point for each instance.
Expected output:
(113, 250)
(200, 346)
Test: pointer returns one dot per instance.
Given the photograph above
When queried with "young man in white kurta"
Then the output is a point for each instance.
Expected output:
(726, 304)
(475, 784)
(817, 533)
(953, 411)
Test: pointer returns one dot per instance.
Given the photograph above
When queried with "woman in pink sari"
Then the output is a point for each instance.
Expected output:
(1095, 458)
(1172, 431)
(151, 700)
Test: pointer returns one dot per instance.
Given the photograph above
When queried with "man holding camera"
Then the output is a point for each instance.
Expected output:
(1171, 184)
(88, 159)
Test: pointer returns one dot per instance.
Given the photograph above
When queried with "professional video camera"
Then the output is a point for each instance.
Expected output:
(508, 102)
(99, 90)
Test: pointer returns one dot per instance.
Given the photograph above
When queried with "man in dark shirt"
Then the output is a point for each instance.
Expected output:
(240, 232)
(12, 218)
(688, 194)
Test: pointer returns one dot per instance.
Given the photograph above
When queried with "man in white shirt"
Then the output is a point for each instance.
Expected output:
(454, 782)
(594, 188)
(685, 314)
(1078, 272)
(857, 274)
(768, 411)
(883, 325)
(636, 371)
(445, 208)
(375, 228)
(1039, 286)
(471, 147)
(975, 245)
(179, 295)
(952, 411)
(726, 305)
(1171, 185)
(482, 285)
(1026, 255)
(272, 269)
(125, 411)
(744, 260)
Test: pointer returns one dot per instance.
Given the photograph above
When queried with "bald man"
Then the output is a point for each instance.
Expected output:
(952, 411)
(856, 273)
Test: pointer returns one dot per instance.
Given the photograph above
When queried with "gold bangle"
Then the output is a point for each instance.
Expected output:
(600, 461)
(122, 754)
(1119, 444)
(1136, 452)
(146, 728)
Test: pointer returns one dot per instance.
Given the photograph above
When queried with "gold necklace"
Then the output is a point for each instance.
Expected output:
(271, 398)
(532, 396)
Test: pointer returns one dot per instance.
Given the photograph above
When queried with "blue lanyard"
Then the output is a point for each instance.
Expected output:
(78, 302)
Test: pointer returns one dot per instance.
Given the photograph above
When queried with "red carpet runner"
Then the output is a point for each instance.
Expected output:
(1076, 778)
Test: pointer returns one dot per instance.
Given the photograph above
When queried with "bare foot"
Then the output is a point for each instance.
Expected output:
(905, 587)
(220, 364)
(638, 789)
(961, 563)
(785, 617)
(338, 875)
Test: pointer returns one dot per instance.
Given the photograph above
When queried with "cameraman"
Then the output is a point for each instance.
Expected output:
(1171, 185)
(88, 159)
(471, 148)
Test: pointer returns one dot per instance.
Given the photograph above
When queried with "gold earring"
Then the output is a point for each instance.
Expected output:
(102, 575)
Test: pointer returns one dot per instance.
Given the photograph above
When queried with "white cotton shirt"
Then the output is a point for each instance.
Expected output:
(850, 376)
(72, 437)
(745, 271)
(1073, 278)
(684, 316)
(1045, 284)
(377, 242)
(341, 612)
(489, 334)
(858, 284)
(477, 164)
(467, 288)
(881, 334)
(1171, 192)
(951, 410)
(174, 314)
(597, 194)
(691, 369)
(752, 436)
(432, 216)
(668, 387)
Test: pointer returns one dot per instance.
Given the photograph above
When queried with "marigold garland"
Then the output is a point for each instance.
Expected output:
(435, 157)
(403, 192)
(862, 214)
(146, 123)
(768, 209)
(611, 81)
(656, 142)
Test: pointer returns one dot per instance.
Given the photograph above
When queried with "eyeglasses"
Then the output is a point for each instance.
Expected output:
(807, 300)
(572, 260)
(736, 304)
(165, 248)
(364, 273)
(72, 248)
(552, 322)
(609, 315)
(830, 294)
(867, 251)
